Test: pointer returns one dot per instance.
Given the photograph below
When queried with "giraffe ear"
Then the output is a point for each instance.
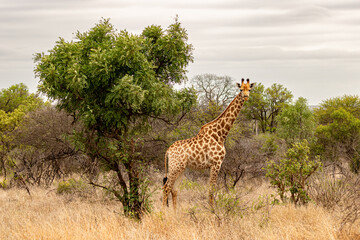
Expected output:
(239, 85)
(252, 85)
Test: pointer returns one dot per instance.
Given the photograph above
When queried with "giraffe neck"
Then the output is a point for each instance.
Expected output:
(220, 127)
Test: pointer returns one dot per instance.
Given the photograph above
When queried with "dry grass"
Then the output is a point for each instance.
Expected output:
(46, 215)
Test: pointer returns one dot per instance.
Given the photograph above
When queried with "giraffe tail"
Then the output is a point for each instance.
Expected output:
(166, 162)
(165, 178)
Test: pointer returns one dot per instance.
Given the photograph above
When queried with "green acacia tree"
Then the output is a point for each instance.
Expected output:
(341, 138)
(15, 103)
(266, 104)
(18, 96)
(114, 82)
(296, 122)
(338, 131)
(350, 103)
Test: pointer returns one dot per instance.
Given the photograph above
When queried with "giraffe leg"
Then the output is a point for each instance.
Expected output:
(169, 185)
(174, 196)
(214, 171)
(166, 191)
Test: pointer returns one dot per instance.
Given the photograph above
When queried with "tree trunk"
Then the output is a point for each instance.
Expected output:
(132, 200)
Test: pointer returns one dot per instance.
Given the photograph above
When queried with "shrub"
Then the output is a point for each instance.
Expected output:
(228, 204)
(3, 184)
(327, 190)
(270, 145)
(290, 175)
(70, 186)
(188, 184)
(341, 193)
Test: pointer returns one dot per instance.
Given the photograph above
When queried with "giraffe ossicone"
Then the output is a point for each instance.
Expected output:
(205, 150)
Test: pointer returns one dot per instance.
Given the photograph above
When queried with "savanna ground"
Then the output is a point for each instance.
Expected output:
(88, 213)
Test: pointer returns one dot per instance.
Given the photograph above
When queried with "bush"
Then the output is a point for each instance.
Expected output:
(229, 203)
(188, 184)
(327, 190)
(290, 175)
(71, 186)
(341, 193)
(270, 146)
(3, 184)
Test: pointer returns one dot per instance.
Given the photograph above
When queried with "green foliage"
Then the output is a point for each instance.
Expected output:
(338, 132)
(15, 103)
(296, 122)
(261, 202)
(70, 186)
(18, 96)
(4, 184)
(341, 138)
(111, 80)
(349, 103)
(168, 51)
(228, 203)
(190, 185)
(114, 82)
(265, 104)
(270, 145)
(290, 175)
(207, 113)
(343, 127)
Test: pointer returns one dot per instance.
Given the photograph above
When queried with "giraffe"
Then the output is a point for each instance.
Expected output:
(204, 151)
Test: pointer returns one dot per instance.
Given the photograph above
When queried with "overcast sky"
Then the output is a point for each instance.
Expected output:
(310, 47)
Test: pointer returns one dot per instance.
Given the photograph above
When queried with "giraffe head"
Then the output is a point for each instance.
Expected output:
(245, 88)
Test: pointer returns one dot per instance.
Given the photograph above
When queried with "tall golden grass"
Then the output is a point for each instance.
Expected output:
(48, 215)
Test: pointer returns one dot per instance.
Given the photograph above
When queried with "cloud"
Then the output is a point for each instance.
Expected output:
(276, 54)
(278, 40)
